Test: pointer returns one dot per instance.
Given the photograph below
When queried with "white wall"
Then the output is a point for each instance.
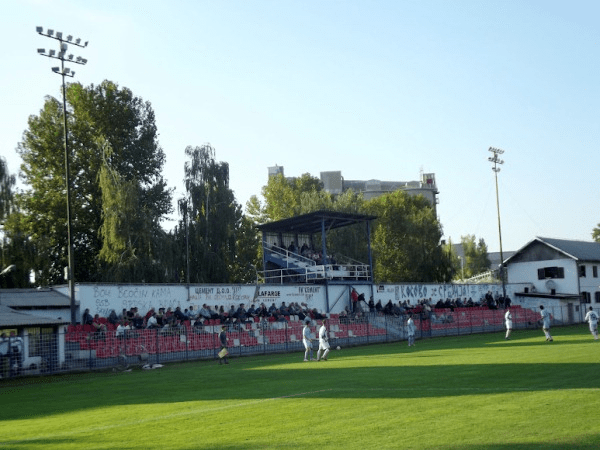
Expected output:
(102, 298)
(589, 283)
(527, 272)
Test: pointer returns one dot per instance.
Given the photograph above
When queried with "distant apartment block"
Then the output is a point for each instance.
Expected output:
(334, 183)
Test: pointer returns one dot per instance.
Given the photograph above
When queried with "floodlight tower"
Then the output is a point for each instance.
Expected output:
(66, 72)
(497, 162)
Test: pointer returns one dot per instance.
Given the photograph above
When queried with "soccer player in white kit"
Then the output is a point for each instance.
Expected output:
(307, 341)
(323, 342)
(410, 330)
(546, 323)
(508, 321)
(592, 318)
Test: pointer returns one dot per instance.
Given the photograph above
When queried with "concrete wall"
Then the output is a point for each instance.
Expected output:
(524, 272)
(102, 298)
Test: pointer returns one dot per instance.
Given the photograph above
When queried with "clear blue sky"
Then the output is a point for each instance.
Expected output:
(376, 89)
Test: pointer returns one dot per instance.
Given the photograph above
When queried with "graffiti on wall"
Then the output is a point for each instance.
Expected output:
(413, 293)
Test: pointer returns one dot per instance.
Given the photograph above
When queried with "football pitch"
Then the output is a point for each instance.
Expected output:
(465, 392)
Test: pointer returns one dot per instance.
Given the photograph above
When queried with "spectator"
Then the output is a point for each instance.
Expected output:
(112, 317)
(241, 314)
(152, 322)
(354, 300)
(371, 305)
(231, 313)
(272, 308)
(388, 308)
(292, 247)
(87, 318)
(262, 311)
(122, 328)
(160, 317)
(191, 313)
(179, 315)
(148, 314)
(99, 327)
(222, 315)
(206, 312)
(137, 321)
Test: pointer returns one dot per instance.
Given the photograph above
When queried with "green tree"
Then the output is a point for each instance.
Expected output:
(284, 197)
(11, 248)
(406, 240)
(7, 183)
(596, 233)
(247, 262)
(476, 256)
(454, 261)
(213, 217)
(109, 129)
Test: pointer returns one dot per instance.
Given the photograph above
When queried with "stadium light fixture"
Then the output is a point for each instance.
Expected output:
(66, 72)
(497, 162)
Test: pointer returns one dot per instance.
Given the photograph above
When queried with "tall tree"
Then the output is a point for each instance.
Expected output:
(406, 240)
(476, 256)
(10, 258)
(7, 183)
(283, 196)
(108, 127)
(213, 216)
(596, 233)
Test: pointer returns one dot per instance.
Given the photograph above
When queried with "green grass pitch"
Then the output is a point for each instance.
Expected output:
(468, 392)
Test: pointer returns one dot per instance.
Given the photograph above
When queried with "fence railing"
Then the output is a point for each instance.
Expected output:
(77, 350)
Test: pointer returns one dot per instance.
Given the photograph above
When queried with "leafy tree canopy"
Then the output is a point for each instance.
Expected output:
(111, 131)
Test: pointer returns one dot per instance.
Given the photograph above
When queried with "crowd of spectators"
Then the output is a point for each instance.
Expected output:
(488, 300)
(305, 251)
(425, 308)
(169, 320)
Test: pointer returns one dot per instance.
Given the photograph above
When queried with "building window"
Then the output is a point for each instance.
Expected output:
(551, 272)
(595, 271)
(582, 271)
(585, 297)
(597, 297)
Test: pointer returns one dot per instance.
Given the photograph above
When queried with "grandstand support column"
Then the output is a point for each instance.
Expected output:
(324, 251)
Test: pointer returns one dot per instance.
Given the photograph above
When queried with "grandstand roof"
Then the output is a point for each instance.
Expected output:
(573, 249)
(11, 318)
(33, 298)
(313, 222)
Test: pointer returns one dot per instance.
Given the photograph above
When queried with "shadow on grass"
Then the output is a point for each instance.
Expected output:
(589, 442)
(326, 379)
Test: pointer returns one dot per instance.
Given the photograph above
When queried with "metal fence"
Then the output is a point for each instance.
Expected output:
(77, 349)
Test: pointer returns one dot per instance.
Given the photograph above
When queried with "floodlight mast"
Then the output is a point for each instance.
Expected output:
(66, 72)
(497, 162)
